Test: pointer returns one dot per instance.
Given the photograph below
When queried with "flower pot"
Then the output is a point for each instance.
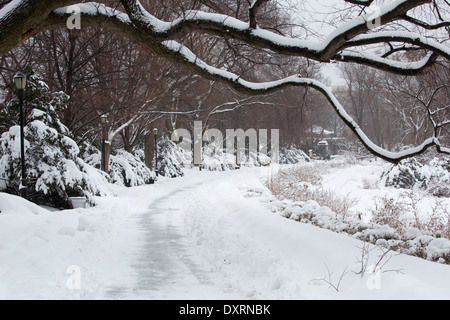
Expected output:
(78, 202)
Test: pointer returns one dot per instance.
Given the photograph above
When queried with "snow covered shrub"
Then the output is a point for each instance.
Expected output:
(39, 104)
(54, 170)
(438, 221)
(214, 158)
(436, 175)
(405, 175)
(433, 177)
(430, 215)
(389, 211)
(125, 169)
(412, 209)
(256, 159)
(292, 155)
(218, 162)
(304, 183)
(169, 164)
(129, 170)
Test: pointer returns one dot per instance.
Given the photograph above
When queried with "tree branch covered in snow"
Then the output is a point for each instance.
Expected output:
(356, 41)
(253, 11)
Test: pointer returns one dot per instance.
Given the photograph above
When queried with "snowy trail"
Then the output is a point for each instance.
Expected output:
(162, 262)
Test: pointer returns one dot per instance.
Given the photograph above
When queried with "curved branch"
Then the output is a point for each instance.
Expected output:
(233, 80)
(402, 37)
(397, 67)
(425, 25)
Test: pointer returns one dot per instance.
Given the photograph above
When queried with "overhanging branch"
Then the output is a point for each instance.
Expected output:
(158, 37)
(179, 52)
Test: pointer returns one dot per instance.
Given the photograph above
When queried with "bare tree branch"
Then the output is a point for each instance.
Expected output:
(253, 11)
(212, 5)
(425, 25)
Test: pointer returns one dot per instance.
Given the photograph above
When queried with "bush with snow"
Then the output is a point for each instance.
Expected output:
(304, 182)
(436, 175)
(125, 169)
(219, 162)
(406, 211)
(129, 170)
(215, 159)
(404, 175)
(169, 164)
(410, 173)
(293, 155)
(39, 104)
(55, 171)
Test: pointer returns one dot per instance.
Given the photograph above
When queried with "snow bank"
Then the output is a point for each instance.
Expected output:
(13, 205)
(44, 253)
(413, 242)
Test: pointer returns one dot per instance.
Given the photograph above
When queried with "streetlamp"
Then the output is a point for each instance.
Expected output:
(105, 144)
(20, 81)
(155, 135)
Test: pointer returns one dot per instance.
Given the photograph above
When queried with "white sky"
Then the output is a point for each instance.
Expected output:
(321, 15)
(317, 13)
(334, 75)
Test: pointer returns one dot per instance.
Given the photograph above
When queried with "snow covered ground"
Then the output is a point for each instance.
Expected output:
(361, 181)
(197, 237)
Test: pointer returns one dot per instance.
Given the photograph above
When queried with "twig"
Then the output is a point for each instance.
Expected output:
(329, 280)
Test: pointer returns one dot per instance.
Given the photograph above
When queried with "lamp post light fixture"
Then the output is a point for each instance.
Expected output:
(105, 144)
(20, 81)
(155, 135)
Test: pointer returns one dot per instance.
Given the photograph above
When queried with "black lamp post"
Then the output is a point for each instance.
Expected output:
(105, 146)
(155, 135)
(20, 81)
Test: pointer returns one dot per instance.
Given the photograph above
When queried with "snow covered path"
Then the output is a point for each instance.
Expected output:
(163, 264)
(209, 235)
